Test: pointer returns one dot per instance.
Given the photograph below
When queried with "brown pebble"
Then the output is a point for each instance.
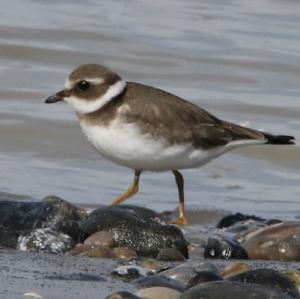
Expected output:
(99, 251)
(150, 264)
(234, 269)
(79, 248)
(159, 292)
(169, 254)
(102, 238)
(124, 253)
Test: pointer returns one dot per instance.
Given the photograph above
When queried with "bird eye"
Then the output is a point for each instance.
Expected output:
(83, 85)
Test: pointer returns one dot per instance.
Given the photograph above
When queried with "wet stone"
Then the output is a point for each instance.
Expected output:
(183, 273)
(124, 253)
(159, 281)
(169, 254)
(20, 217)
(203, 276)
(45, 240)
(234, 269)
(269, 277)
(237, 217)
(224, 249)
(274, 242)
(159, 292)
(130, 272)
(101, 238)
(122, 295)
(232, 290)
(136, 228)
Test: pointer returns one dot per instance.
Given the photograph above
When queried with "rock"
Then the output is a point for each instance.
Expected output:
(122, 295)
(294, 276)
(234, 218)
(232, 290)
(19, 218)
(270, 278)
(45, 240)
(234, 269)
(102, 238)
(170, 254)
(135, 228)
(159, 281)
(124, 253)
(159, 292)
(130, 272)
(279, 242)
(224, 249)
(183, 273)
(203, 276)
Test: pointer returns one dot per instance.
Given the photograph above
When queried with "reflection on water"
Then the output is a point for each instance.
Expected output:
(239, 60)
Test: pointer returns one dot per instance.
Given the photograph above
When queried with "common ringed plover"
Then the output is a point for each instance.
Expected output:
(146, 128)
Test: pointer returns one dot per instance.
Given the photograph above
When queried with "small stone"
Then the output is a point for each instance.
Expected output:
(183, 273)
(122, 295)
(202, 277)
(130, 272)
(101, 238)
(294, 276)
(98, 251)
(234, 269)
(150, 264)
(124, 253)
(170, 254)
(159, 292)
(45, 240)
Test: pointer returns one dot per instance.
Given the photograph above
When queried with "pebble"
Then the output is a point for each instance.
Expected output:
(122, 295)
(234, 269)
(183, 273)
(170, 254)
(124, 253)
(159, 293)
(102, 238)
(45, 240)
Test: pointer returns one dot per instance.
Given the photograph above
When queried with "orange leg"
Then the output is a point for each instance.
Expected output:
(133, 189)
(180, 186)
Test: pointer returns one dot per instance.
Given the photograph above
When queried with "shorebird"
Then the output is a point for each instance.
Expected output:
(148, 129)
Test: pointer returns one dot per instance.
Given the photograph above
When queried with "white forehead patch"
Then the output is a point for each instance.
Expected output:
(83, 106)
(96, 81)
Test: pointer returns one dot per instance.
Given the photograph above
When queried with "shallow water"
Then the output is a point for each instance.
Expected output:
(239, 60)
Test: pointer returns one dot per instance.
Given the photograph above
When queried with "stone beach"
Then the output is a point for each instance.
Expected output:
(54, 247)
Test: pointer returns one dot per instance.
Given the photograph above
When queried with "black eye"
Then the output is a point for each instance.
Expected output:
(83, 85)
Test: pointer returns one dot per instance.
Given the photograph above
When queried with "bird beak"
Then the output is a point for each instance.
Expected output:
(59, 96)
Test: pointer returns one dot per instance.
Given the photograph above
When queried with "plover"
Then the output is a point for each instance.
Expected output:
(148, 129)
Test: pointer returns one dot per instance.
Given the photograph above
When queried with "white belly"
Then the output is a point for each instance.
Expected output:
(124, 144)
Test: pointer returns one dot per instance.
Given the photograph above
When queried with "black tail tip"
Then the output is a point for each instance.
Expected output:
(279, 139)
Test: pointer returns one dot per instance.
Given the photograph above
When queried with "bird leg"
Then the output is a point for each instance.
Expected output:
(181, 220)
(133, 189)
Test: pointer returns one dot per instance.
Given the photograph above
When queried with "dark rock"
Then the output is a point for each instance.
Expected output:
(169, 254)
(19, 217)
(131, 272)
(231, 219)
(76, 276)
(45, 240)
(224, 249)
(122, 295)
(203, 276)
(159, 281)
(232, 290)
(133, 228)
(268, 277)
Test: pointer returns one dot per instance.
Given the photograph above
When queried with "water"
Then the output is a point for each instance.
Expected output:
(238, 59)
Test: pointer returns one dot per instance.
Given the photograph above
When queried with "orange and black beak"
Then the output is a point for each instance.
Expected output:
(59, 96)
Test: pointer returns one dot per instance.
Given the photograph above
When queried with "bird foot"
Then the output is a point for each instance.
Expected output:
(181, 221)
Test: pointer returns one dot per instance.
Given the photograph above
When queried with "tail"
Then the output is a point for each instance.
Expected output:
(279, 139)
